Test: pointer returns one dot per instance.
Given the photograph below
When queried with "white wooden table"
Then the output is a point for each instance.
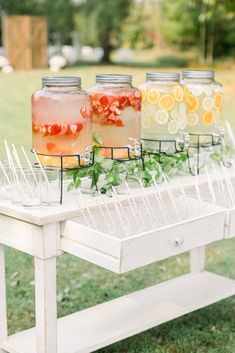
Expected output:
(47, 233)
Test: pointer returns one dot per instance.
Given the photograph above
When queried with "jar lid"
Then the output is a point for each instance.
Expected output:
(198, 74)
(113, 78)
(162, 76)
(61, 81)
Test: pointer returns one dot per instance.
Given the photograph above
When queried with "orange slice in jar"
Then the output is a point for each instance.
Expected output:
(153, 96)
(167, 102)
(207, 118)
(178, 93)
(218, 101)
(193, 103)
(143, 92)
(186, 93)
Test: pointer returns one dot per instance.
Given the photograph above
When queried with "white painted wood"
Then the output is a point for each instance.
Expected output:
(46, 307)
(46, 241)
(142, 249)
(3, 307)
(110, 322)
(197, 259)
(90, 254)
(16, 234)
(94, 239)
(46, 215)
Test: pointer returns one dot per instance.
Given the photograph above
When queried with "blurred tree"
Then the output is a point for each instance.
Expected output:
(16, 7)
(141, 27)
(60, 14)
(100, 22)
(207, 24)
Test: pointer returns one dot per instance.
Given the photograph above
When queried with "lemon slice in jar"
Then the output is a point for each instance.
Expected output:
(146, 122)
(182, 121)
(143, 92)
(207, 103)
(174, 114)
(173, 127)
(207, 90)
(197, 90)
(178, 93)
(193, 119)
(161, 117)
(182, 109)
(153, 96)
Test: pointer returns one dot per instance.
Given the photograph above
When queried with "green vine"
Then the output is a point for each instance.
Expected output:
(113, 173)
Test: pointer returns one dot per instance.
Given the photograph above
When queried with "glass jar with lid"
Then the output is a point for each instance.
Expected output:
(116, 115)
(61, 121)
(164, 112)
(204, 96)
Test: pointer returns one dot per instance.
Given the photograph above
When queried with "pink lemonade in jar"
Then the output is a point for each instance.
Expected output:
(61, 121)
(116, 113)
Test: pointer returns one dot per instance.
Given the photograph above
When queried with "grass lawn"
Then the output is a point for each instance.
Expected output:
(80, 284)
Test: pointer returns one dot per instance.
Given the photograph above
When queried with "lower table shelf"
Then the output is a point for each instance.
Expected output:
(101, 325)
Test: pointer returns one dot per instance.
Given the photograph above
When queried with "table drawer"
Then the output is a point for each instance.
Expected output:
(129, 252)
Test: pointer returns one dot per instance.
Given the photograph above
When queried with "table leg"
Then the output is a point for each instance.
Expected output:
(46, 307)
(197, 259)
(3, 306)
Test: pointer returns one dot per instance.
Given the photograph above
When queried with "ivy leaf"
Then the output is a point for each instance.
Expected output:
(97, 138)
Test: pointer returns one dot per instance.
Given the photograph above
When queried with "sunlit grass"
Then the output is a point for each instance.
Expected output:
(81, 284)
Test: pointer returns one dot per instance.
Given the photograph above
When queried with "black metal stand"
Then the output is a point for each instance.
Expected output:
(132, 153)
(161, 146)
(82, 162)
(202, 141)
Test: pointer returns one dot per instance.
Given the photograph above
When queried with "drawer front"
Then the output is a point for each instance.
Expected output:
(164, 243)
(122, 255)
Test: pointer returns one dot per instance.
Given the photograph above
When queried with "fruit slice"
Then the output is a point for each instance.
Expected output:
(173, 127)
(83, 112)
(178, 93)
(148, 109)
(153, 96)
(50, 146)
(161, 117)
(143, 91)
(207, 118)
(207, 103)
(174, 114)
(182, 121)
(218, 101)
(104, 100)
(182, 108)
(193, 119)
(119, 123)
(193, 103)
(207, 90)
(146, 122)
(197, 90)
(186, 92)
(166, 102)
(54, 129)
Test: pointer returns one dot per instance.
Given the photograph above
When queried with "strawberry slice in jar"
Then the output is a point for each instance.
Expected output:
(116, 112)
(61, 120)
